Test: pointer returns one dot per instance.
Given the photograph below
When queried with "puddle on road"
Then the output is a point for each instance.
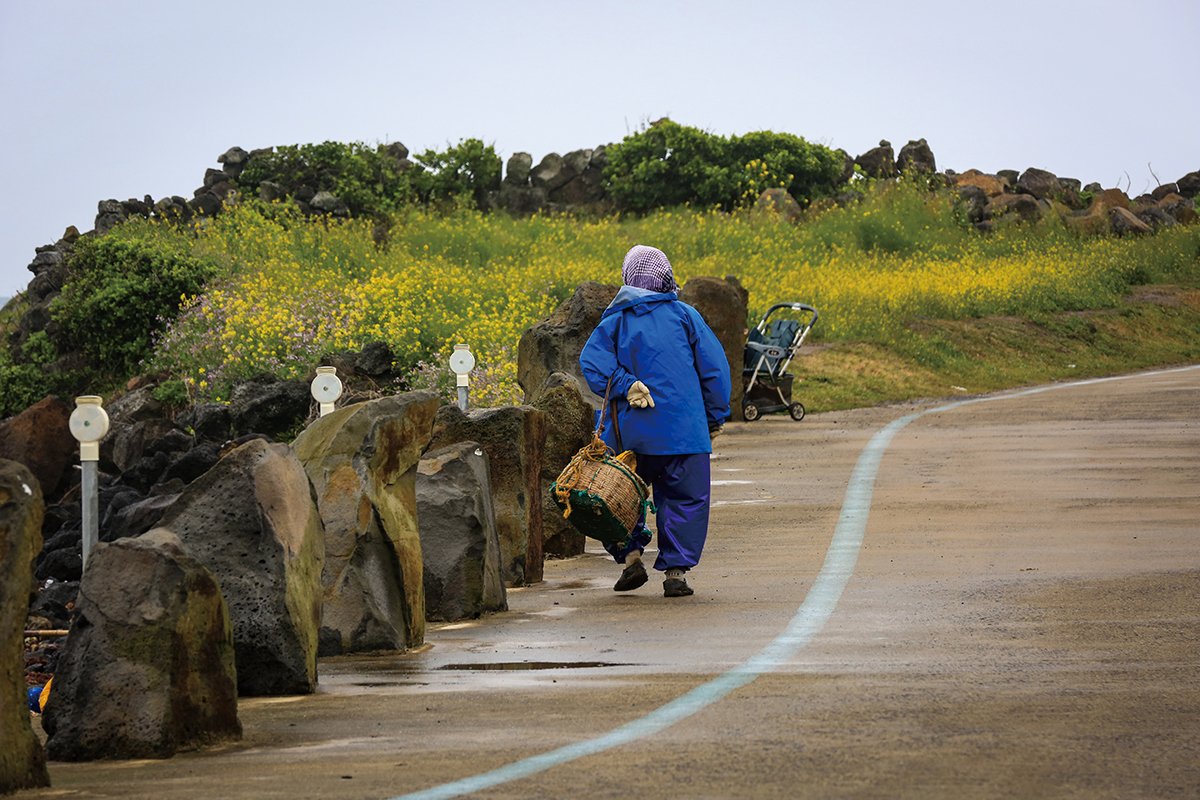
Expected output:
(531, 665)
(377, 684)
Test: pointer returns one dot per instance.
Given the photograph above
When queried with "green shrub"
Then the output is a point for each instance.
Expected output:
(367, 180)
(468, 169)
(21, 385)
(670, 164)
(373, 183)
(807, 171)
(39, 349)
(120, 291)
(172, 394)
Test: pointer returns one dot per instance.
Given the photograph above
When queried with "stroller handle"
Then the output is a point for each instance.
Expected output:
(793, 307)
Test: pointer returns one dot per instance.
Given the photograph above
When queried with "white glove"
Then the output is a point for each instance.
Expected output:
(639, 396)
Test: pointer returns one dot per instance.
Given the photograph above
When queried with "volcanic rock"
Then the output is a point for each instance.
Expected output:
(148, 669)
(22, 758)
(513, 437)
(252, 520)
(459, 544)
(362, 461)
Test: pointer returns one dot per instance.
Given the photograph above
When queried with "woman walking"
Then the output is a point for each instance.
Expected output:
(671, 379)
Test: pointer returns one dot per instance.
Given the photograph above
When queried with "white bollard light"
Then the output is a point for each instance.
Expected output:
(462, 362)
(88, 424)
(326, 388)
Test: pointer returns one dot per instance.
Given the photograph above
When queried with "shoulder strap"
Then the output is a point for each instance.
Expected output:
(616, 427)
(611, 407)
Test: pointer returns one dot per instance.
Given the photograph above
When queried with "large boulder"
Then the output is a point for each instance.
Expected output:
(40, 439)
(570, 424)
(134, 406)
(109, 214)
(148, 669)
(264, 404)
(1098, 217)
(584, 179)
(252, 520)
(513, 437)
(459, 544)
(209, 422)
(1156, 218)
(878, 162)
(1109, 199)
(723, 304)
(1180, 208)
(327, 203)
(134, 518)
(521, 200)
(148, 437)
(362, 461)
(1038, 182)
(1020, 206)
(516, 172)
(127, 410)
(780, 203)
(990, 184)
(554, 344)
(22, 759)
(1125, 222)
(916, 156)
(233, 161)
(1189, 185)
(552, 172)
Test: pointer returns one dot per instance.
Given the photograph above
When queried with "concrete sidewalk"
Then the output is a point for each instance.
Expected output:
(1021, 622)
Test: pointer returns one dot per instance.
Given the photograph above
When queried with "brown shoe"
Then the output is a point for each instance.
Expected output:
(631, 578)
(676, 587)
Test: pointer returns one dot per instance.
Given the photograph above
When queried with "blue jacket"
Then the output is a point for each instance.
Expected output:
(654, 338)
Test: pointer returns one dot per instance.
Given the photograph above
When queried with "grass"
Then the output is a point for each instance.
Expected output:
(1154, 326)
(913, 301)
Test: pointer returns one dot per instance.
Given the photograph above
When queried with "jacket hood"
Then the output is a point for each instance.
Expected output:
(640, 300)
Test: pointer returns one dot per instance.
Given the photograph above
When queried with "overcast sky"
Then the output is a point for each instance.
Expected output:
(123, 99)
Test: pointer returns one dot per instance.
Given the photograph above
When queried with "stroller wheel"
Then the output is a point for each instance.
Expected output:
(750, 412)
(797, 411)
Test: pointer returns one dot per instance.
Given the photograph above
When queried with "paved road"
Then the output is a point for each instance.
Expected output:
(1021, 619)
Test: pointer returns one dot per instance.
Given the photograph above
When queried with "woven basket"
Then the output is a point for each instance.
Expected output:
(601, 494)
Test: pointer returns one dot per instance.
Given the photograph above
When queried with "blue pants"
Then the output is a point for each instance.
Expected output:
(681, 489)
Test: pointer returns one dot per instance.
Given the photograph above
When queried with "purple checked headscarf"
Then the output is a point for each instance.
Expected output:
(648, 268)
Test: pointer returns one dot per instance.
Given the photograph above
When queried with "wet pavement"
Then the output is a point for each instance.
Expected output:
(1022, 620)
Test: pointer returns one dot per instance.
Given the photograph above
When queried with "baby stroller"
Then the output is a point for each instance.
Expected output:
(769, 350)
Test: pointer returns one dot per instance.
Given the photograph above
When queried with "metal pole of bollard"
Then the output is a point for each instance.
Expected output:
(91, 508)
(462, 362)
(88, 424)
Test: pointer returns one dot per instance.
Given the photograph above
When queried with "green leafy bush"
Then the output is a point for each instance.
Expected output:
(371, 181)
(39, 349)
(670, 164)
(172, 394)
(368, 180)
(468, 169)
(21, 385)
(25, 383)
(121, 289)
